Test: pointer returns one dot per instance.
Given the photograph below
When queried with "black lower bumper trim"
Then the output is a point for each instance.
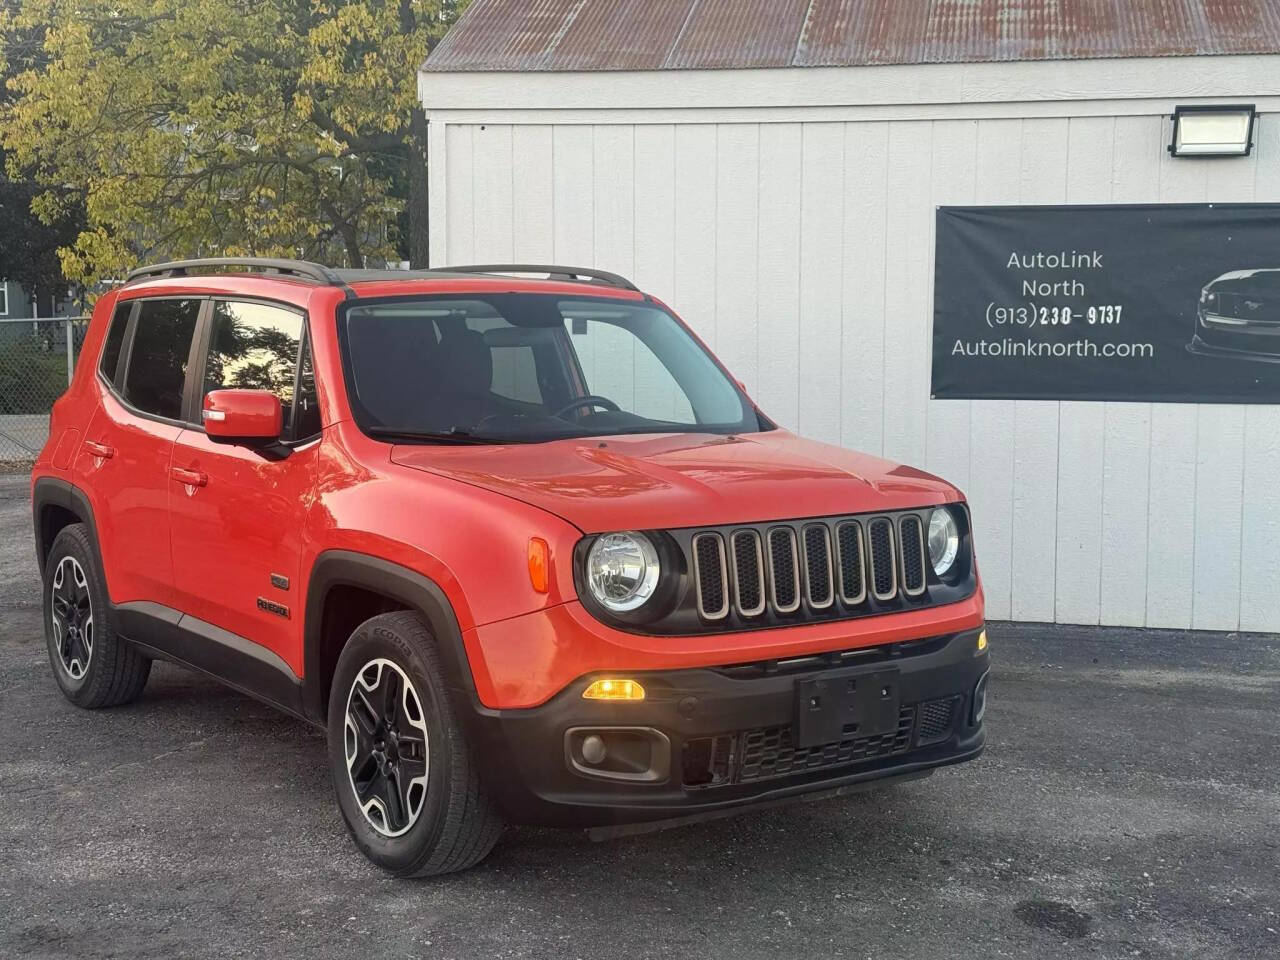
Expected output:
(633, 829)
(1237, 347)
(535, 770)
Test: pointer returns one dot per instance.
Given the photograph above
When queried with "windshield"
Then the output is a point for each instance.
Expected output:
(531, 367)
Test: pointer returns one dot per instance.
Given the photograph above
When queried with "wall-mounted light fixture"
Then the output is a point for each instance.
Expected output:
(1213, 131)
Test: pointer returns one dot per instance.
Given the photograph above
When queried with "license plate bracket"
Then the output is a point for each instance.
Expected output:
(843, 704)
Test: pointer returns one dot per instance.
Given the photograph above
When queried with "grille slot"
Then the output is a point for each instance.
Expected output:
(883, 563)
(853, 580)
(818, 573)
(748, 572)
(709, 576)
(771, 752)
(911, 540)
(784, 575)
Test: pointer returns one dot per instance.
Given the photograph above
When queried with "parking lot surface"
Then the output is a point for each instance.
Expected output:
(1128, 805)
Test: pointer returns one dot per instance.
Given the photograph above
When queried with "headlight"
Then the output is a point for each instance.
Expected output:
(622, 570)
(944, 540)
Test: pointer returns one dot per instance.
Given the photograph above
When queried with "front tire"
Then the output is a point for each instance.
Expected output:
(407, 787)
(93, 666)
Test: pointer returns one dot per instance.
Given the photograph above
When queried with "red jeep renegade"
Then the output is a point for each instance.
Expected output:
(521, 546)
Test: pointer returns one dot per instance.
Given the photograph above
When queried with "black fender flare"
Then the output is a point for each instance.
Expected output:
(55, 492)
(334, 568)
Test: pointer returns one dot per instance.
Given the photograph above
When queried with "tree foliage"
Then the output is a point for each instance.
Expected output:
(28, 245)
(207, 127)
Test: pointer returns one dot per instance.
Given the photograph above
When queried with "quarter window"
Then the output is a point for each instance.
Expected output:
(157, 367)
(254, 346)
(115, 339)
(307, 405)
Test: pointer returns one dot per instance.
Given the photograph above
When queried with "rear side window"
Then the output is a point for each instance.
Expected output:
(157, 367)
(254, 346)
(115, 339)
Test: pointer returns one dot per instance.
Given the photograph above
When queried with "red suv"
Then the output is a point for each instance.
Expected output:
(522, 546)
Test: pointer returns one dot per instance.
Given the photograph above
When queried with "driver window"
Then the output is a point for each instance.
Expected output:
(254, 346)
(619, 366)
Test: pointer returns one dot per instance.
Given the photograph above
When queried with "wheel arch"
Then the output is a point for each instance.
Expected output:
(401, 589)
(56, 504)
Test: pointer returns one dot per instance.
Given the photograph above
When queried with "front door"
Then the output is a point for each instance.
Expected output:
(237, 514)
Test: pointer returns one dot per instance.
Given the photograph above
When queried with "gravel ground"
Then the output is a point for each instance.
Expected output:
(1127, 806)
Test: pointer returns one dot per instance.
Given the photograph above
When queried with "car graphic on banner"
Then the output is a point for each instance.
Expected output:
(1239, 316)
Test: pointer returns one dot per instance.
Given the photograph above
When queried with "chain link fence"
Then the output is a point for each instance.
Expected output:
(36, 360)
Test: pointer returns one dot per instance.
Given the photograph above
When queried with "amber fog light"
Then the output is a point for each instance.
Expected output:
(610, 689)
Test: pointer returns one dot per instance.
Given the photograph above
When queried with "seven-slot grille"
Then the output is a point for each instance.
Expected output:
(814, 563)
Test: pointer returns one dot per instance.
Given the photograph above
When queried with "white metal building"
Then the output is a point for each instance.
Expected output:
(771, 170)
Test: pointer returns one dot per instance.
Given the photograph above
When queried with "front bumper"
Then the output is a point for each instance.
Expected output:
(1235, 337)
(1235, 348)
(723, 738)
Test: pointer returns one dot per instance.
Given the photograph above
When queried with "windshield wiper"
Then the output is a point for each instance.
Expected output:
(451, 435)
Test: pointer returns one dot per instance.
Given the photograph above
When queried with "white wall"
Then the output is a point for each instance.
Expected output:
(802, 252)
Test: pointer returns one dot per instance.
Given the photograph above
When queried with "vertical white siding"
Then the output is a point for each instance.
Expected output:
(803, 254)
(532, 203)
(778, 253)
(821, 268)
(862, 265)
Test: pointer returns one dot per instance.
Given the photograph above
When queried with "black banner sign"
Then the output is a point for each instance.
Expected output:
(1161, 302)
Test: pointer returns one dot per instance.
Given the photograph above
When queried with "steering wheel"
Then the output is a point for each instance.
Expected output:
(590, 400)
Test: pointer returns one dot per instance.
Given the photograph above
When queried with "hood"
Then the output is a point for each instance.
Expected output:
(683, 480)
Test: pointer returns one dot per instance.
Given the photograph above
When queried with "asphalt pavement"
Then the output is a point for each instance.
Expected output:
(1128, 805)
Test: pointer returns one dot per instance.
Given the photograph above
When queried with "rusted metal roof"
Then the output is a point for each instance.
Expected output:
(524, 35)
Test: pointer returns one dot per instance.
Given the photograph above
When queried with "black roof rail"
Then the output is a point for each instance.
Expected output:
(553, 272)
(303, 269)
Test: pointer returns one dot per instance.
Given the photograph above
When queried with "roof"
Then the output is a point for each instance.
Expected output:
(562, 35)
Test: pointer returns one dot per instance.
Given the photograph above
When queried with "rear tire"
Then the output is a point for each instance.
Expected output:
(407, 787)
(93, 666)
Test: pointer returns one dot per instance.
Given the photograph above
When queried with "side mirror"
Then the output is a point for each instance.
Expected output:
(249, 417)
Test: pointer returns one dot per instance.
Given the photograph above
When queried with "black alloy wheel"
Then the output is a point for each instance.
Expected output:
(71, 608)
(387, 747)
(407, 786)
(93, 665)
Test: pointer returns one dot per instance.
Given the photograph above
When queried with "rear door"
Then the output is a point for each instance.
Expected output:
(237, 513)
(125, 458)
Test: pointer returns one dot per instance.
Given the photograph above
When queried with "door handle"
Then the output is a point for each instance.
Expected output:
(192, 478)
(103, 451)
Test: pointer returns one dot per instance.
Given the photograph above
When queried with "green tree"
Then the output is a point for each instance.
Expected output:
(206, 127)
(29, 245)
